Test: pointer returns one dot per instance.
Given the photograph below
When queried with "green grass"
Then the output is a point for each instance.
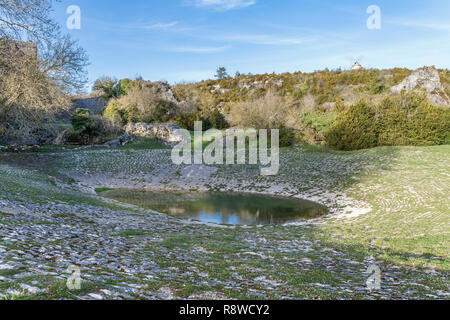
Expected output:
(2, 214)
(100, 190)
(142, 143)
(59, 290)
(132, 233)
(41, 188)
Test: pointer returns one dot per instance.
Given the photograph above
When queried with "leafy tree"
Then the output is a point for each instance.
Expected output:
(83, 122)
(108, 86)
(221, 73)
(123, 86)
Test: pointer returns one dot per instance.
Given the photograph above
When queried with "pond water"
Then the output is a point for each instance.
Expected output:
(222, 208)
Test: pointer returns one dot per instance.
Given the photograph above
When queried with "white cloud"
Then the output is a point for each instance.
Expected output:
(201, 50)
(422, 24)
(223, 5)
(159, 25)
(263, 39)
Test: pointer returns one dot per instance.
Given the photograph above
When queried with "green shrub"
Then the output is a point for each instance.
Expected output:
(354, 129)
(411, 120)
(186, 119)
(217, 120)
(404, 120)
(113, 113)
(123, 86)
(429, 125)
(391, 119)
(319, 121)
(83, 122)
(108, 86)
(161, 111)
(287, 136)
(88, 128)
(373, 84)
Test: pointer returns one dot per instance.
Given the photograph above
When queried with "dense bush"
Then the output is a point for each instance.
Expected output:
(83, 122)
(107, 87)
(354, 129)
(114, 114)
(141, 104)
(318, 120)
(215, 119)
(267, 112)
(287, 136)
(145, 102)
(405, 120)
(89, 128)
(186, 120)
(428, 125)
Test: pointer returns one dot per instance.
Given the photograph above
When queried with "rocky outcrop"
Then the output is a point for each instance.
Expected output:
(165, 92)
(120, 141)
(247, 84)
(425, 79)
(165, 132)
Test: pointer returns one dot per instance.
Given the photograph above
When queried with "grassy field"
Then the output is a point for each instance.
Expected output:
(389, 207)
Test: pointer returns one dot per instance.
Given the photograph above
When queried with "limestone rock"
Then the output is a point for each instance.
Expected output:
(163, 131)
(427, 79)
(120, 141)
(165, 92)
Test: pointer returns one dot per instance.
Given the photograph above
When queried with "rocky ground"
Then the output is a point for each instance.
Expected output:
(388, 208)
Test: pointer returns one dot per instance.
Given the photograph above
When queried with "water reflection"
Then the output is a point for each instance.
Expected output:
(223, 208)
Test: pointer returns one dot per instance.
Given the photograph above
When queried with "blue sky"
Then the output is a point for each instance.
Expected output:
(186, 40)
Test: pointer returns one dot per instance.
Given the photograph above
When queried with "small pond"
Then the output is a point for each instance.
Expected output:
(222, 208)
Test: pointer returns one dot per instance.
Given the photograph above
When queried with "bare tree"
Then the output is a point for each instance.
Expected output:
(60, 57)
(28, 97)
(268, 112)
(65, 62)
(20, 19)
(39, 65)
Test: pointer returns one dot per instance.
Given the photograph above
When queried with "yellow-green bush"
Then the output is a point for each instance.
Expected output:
(113, 113)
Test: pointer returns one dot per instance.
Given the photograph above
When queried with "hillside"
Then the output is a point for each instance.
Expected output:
(346, 110)
(315, 89)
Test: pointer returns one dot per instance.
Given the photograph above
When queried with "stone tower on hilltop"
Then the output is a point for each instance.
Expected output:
(357, 66)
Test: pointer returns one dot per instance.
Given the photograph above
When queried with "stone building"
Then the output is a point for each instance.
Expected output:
(357, 66)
